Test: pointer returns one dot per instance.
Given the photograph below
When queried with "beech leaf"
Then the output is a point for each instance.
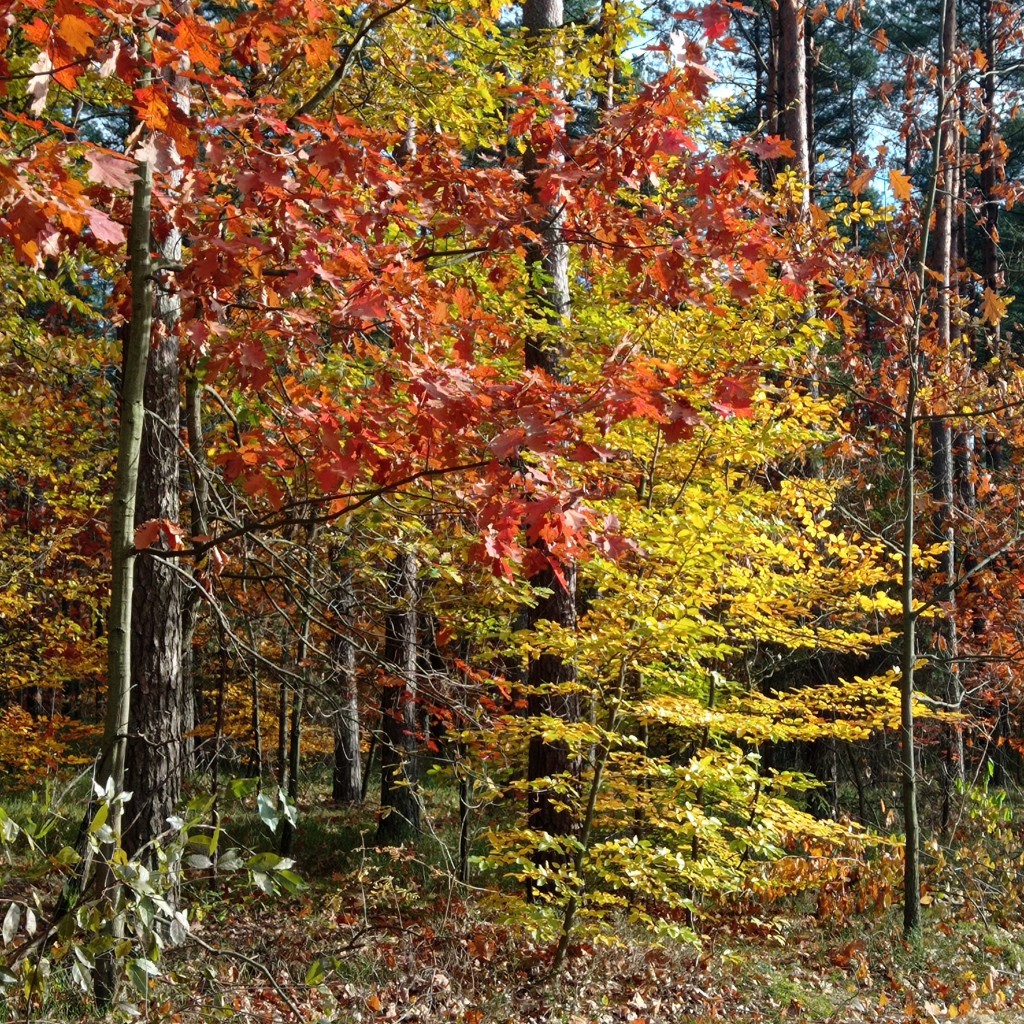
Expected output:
(12, 919)
(39, 83)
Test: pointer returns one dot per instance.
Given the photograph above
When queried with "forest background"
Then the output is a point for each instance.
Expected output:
(511, 513)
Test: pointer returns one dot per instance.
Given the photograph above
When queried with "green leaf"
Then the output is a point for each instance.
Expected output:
(101, 818)
(242, 788)
(268, 862)
(316, 974)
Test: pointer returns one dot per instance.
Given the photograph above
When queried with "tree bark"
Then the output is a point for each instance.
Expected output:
(989, 226)
(156, 748)
(908, 655)
(111, 770)
(399, 800)
(942, 435)
(548, 266)
(193, 597)
(791, 75)
(156, 753)
(908, 660)
(347, 783)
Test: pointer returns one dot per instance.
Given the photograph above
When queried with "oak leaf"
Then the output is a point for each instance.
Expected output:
(993, 308)
(900, 185)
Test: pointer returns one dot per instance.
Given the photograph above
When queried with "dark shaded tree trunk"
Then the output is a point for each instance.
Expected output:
(550, 811)
(909, 654)
(399, 799)
(548, 265)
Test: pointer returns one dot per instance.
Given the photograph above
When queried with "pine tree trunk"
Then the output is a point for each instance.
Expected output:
(156, 753)
(156, 747)
(791, 75)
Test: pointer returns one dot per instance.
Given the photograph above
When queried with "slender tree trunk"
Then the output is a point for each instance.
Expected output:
(774, 86)
(908, 662)
(257, 731)
(908, 655)
(606, 96)
(294, 761)
(156, 754)
(399, 800)
(218, 735)
(989, 226)
(298, 700)
(942, 434)
(282, 737)
(256, 721)
(810, 61)
(465, 810)
(111, 771)
(347, 781)
(193, 600)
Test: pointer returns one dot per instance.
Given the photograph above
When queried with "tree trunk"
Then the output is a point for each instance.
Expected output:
(908, 656)
(156, 748)
(942, 463)
(989, 226)
(792, 78)
(773, 85)
(347, 784)
(298, 700)
(908, 661)
(548, 265)
(282, 736)
(111, 770)
(193, 598)
(156, 754)
(399, 800)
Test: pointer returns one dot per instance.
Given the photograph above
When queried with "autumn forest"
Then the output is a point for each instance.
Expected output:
(511, 513)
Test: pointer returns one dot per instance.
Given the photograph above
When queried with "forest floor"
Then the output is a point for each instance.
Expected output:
(389, 937)
(337, 961)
